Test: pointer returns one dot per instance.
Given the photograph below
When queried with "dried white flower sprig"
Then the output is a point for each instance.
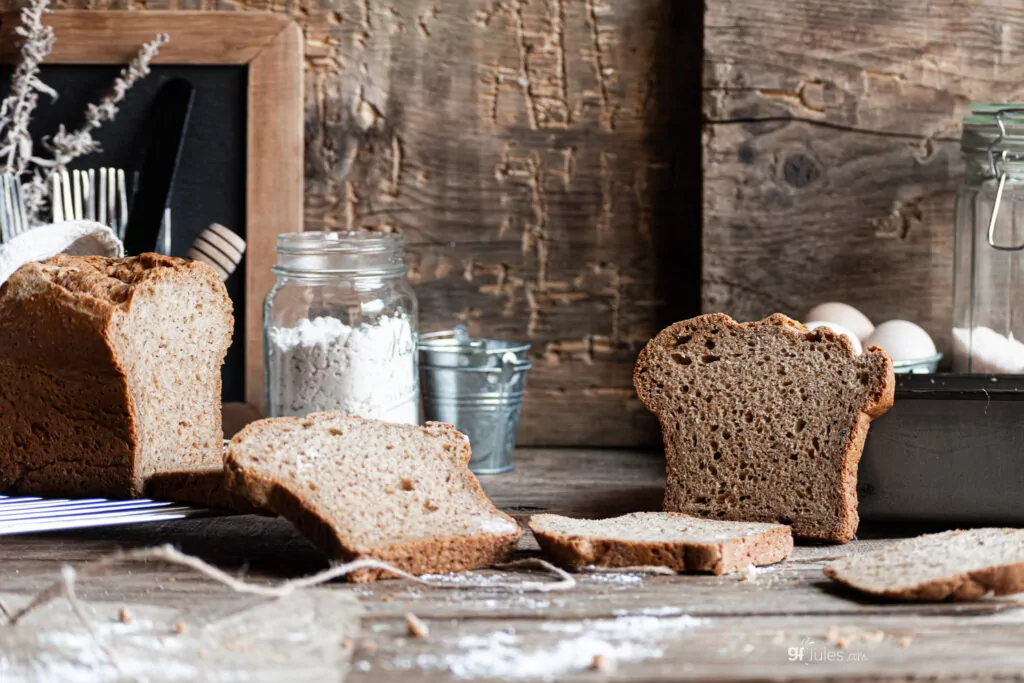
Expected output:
(16, 109)
(16, 150)
(66, 146)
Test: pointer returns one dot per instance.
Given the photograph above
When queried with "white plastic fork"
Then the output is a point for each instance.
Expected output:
(94, 194)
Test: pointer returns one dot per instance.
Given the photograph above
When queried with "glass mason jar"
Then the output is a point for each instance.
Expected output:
(340, 327)
(988, 276)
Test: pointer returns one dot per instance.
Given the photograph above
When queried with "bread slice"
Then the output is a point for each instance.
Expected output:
(200, 486)
(366, 488)
(764, 421)
(109, 373)
(666, 539)
(954, 565)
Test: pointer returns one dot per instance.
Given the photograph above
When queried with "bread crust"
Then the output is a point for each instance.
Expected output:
(878, 399)
(437, 555)
(959, 586)
(69, 423)
(577, 551)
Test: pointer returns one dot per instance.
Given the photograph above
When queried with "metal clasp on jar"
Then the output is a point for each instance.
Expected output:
(1004, 156)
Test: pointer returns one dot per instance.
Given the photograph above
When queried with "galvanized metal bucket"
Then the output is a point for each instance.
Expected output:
(476, 385)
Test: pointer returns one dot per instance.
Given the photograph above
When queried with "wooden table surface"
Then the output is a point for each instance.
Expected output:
(784, 622)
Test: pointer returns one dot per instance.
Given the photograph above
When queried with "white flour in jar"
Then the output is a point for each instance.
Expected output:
(990, 352)
(324, 364)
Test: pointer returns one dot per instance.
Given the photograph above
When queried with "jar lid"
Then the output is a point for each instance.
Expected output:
(340, 252)
(993, 126)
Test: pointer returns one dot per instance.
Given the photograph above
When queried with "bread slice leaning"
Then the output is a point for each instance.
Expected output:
(954, 565)
(366, 488)
(764, 421)
(667, 539)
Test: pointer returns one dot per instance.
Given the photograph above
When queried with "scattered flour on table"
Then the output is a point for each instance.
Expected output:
(626, 626)
(618, 579)
(503, 654)
(665, 611)
(324, 364)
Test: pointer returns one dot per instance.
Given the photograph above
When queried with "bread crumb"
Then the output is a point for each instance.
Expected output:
(346, 644)
(603, 664)
(180, 628)
(125, 615)
(843, 640)
(905, 641)
(417, 628)
(749, 573)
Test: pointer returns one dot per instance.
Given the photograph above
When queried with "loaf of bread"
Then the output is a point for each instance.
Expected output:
(764, 421)
(366, 488)
(665, 539)
(954, 565)
(109, 373)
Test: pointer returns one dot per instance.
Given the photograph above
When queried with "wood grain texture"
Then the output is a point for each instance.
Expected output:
(669, 628)
(526, 150)
(274, 182)
(831, 150)
(114, 38)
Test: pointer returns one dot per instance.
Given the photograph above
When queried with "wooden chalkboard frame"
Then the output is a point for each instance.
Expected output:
(270, 46)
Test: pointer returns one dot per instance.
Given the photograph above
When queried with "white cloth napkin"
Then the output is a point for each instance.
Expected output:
(78, 238)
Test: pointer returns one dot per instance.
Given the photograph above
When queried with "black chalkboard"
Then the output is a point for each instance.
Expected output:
(210, 183)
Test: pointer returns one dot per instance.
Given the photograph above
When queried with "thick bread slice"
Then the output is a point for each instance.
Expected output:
(954, 565)
(666, 539)
(198, 486)
(764, 421)
(109, 373)
(366, 488)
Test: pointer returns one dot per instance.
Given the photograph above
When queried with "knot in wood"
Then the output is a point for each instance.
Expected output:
(800, 170)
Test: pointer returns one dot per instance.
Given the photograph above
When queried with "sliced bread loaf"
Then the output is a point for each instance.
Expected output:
(109, 373)
(366, 488)
(665, 539)
(954, 565)
(764, 421)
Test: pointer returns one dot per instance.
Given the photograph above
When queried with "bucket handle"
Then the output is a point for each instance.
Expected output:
(512, 364)
(459, 335)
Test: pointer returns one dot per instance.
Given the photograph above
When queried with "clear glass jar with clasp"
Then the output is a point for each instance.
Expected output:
(988, 278)
(341, 328)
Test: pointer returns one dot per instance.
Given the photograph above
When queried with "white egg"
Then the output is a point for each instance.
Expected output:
(838, 329)
(903, 340)
(845, 315)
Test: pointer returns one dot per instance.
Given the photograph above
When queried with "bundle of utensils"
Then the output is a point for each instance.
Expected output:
(101, 195)
(96, 194)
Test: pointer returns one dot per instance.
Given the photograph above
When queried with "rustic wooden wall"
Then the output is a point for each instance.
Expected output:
(527, 149)
(831, 149)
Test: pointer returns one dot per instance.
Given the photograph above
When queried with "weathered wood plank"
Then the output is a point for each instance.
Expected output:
(507, 142)
(831, 150)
